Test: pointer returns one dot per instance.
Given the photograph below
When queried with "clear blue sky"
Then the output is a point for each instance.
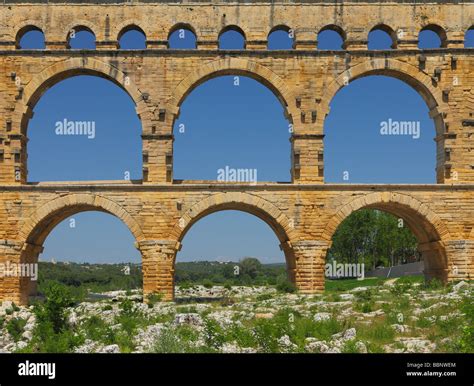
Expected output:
(224, 125)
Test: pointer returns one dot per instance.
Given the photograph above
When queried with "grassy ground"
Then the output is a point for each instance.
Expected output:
(351, 316)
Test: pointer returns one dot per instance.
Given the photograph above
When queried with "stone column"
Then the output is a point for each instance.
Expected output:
(310, 258)
(10, 286)
(158, 267)
(307, 158)
(305, 40)
(356, 39)
(460, 260)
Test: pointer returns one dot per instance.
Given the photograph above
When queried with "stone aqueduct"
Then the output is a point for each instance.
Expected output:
(305, 212)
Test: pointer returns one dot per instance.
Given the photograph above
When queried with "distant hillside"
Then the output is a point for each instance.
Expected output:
(87, 277)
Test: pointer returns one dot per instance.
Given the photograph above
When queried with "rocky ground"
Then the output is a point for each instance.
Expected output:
(387, 318)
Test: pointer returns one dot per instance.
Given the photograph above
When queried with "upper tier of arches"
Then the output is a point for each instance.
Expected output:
(310, 38)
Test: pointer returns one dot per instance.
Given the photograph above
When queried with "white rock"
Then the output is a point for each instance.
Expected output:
(286, 344)
(190, 319)
(111, 349)
(349, 334)
(462, 284)
(361, 347)
(27, 335)
(320, 316)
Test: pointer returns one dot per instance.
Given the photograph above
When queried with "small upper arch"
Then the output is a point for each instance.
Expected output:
(184, 32)
(280, 37)
(331, 37)
(75, 32)
(427, 37)
(236, 41)
(378, 42)
(140, 40)
(30, 29)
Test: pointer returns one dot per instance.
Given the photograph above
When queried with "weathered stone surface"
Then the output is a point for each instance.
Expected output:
(303, 212)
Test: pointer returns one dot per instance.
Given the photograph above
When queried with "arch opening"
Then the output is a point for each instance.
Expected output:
(182, 36)
(71, 237)
(132, 37)
(232, 38)
(432, 36)
(382, 37)
(84, 128)
(250, 117)
(30, 38)
(331, 37)
(385, 235)
(281, 38)
(81, 38)
(469, 38)
(250, 238)
(385, 139)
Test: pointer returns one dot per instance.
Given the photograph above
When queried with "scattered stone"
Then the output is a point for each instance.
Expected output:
(191, 319)
(321, 316)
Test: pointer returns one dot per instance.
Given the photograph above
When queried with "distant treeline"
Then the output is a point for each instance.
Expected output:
(110, 277)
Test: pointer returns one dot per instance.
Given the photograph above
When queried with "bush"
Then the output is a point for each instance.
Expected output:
(53, 310)
(207, 283)
(285, 286)
(15, 328)
(154, 298)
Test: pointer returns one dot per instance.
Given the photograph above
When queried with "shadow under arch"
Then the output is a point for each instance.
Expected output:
(430, 231)
(233, 66)
(247, 203)
(42, 221)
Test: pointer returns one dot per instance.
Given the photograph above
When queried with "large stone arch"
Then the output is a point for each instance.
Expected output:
(432, 233)
(43, 220)
(261, 208)
(244, 202)
(51, 75)
(234, 66)
(34, 89)
(38, 224)
(408, 73)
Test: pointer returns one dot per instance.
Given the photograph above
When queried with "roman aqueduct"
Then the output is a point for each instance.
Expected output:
(305, 212)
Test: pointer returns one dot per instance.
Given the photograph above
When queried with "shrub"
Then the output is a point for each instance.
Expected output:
(54, 308)
(286, 287)
(154, 298)
(207, 283)
(15, 328)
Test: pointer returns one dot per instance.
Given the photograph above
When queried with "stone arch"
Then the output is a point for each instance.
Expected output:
(39, 223)
(42, 221)
(243, 202)
(57, 72)
(261, 208)
(388, 30)
(436, 27)
(126, 26)
(235, 28)
(81, 24)
(234, 66)
(185, 26)
(336, 28)
(24, 30)
(411, 75)
(431, 232)
(396, 203)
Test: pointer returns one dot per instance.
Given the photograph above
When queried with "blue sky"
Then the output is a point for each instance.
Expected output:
(225, 124)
